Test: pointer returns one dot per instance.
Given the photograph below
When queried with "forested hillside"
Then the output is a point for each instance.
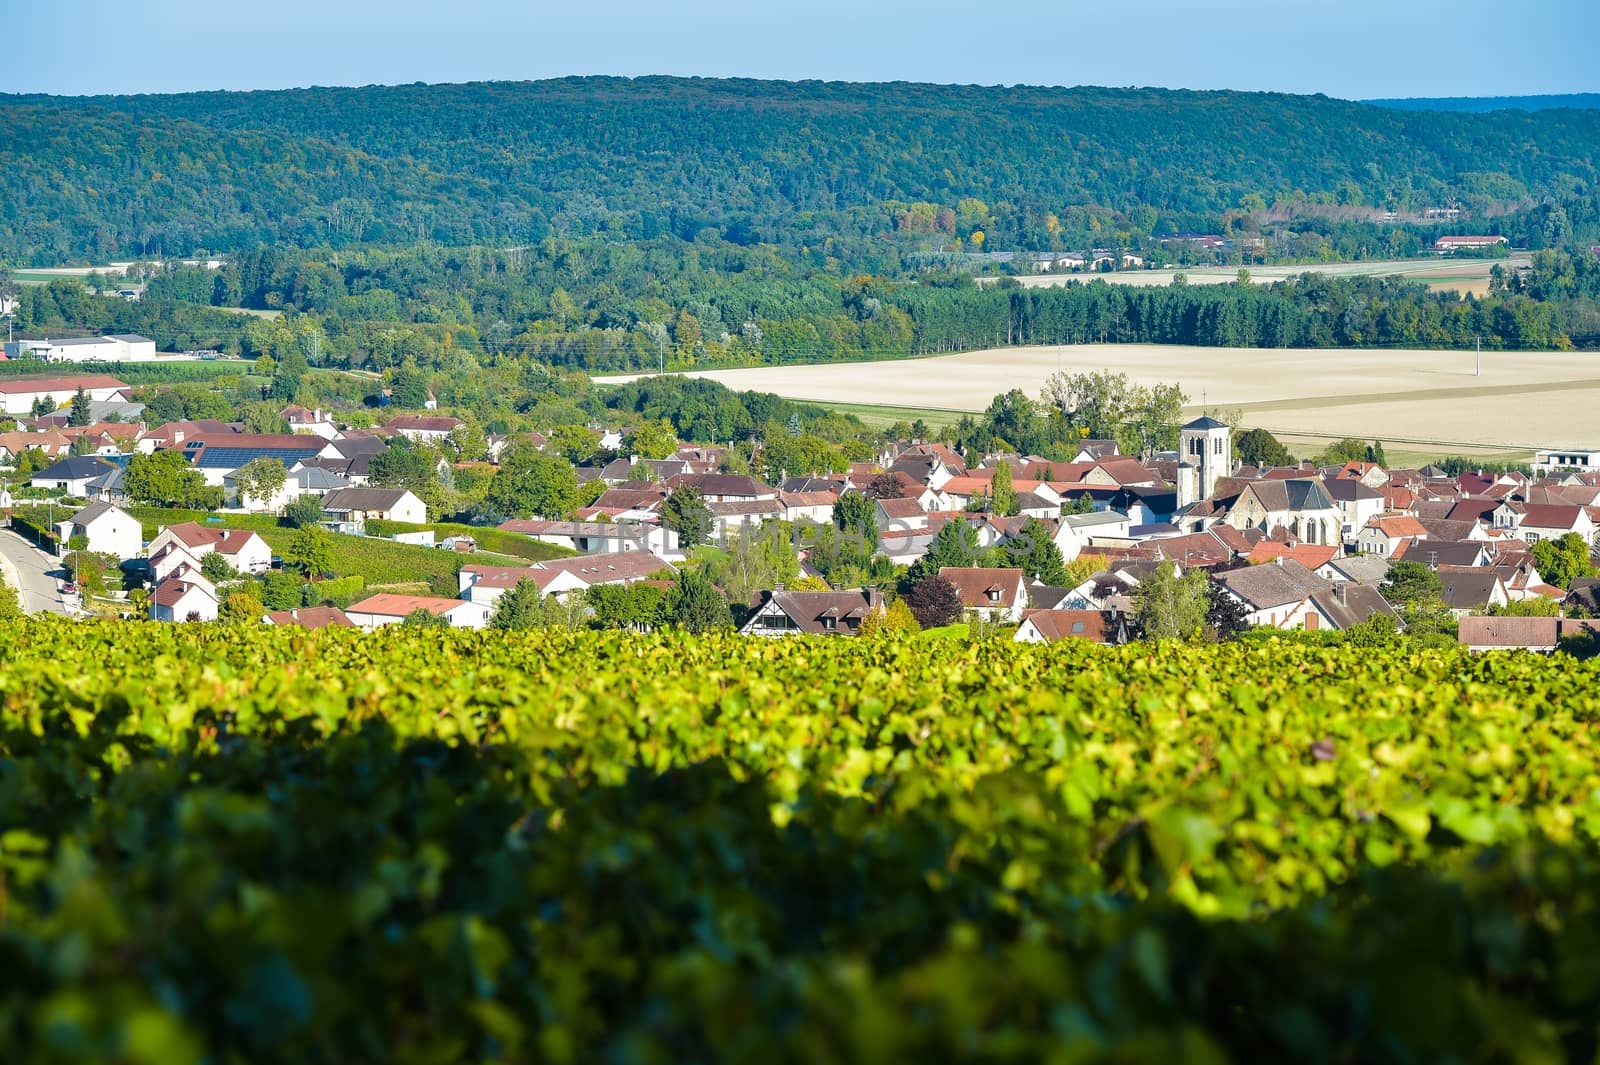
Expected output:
(779, 162)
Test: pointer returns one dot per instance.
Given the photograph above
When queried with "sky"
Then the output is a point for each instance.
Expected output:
(1347, 48)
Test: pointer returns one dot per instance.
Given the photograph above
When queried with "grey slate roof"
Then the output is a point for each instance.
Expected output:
(70, 469)
(1273, 583)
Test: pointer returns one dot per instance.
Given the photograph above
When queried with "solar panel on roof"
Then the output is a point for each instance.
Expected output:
(233, 457)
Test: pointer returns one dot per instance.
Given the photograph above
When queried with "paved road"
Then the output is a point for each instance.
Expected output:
(36, 573)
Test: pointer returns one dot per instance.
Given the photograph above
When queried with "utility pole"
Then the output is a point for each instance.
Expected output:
(1477, 365)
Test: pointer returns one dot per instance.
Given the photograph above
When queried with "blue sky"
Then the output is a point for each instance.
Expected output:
(1348, 48)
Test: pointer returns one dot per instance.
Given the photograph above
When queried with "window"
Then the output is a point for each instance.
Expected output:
(1218, 446)
(1077, 628)
(994, 595)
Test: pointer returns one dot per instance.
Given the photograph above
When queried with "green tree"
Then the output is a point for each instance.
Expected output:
(1032, 550)
(1002, 497)
(1259, 448)
(310, 551)
(651, 440)
(80, 409)
(856, 513)
(518, 608)
(1082, 504)
(1417, 594)
(263, 417)
(956, 544)
(165, 479)
(304, 510)
(408, 388)
(639, 607)
(695, 604)
(1342, 451)
(1169, 607)
(896, 619)
(575, 443)
(260, 479)
(10, 603)
(216, 568)
(423, 618)
(530, 484)
(1562, 560)
(757, 559)
(685, 513)
(243, 606)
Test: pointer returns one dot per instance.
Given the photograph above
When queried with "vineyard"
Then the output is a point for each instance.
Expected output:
(229, 844)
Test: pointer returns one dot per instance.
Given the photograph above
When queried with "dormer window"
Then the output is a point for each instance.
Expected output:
(994, 595)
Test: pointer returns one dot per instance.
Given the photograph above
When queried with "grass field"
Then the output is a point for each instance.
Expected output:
(1430, 399)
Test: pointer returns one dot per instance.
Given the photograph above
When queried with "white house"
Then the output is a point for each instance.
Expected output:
(315, 422)
(1276, 594)
(20, 394)
(423, 428)
(596, 537)
(1557, 461)
(1382, 535)
(992, 594)
(376, 611)
(359, 505)
(485, 585)
(72, 475)
(109, 531)
(1078, 531)
(184, 595)
(245, 550)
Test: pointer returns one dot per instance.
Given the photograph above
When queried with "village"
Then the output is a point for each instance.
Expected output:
(1018, 545)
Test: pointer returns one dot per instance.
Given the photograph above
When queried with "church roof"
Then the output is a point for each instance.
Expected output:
(1206, 422)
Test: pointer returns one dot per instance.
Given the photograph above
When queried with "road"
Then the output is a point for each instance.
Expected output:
(30, 570)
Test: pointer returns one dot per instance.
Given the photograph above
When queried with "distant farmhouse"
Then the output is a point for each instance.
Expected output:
(1457, 243)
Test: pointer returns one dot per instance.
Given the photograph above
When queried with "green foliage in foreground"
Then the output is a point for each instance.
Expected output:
(445, 846)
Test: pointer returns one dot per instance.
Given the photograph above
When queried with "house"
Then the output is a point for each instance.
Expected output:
(357, 506)
(1472, 589)
(594, 537)
(118, 347)
(309, 617)
(1048, 626)
(486, 584)
(219, 455)
(993, 594)
(926, 469)
(245, 550)
(1383, 535)
(71, 475)
(1078, 531)
(313, 422)
(1507, 634)
(742, 513)
(1533, 522)
(1553, 461)
(1276, 594)
(1346, 605)
(1300, 506)
(1312, 556)
(815, 506)
(423, 428)
(377, 611)
(184, 595)
(1357, 569)
(786, 613)
(109, 531)
(19, 395)
(899, 514)
(723, 487)
(1358, 504)
(51, 443)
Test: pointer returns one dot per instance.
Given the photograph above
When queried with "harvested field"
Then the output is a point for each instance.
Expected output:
(1522, 400)
(1457, 275)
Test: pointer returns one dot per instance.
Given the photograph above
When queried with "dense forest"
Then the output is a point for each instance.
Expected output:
(599, 308)
(928, 169)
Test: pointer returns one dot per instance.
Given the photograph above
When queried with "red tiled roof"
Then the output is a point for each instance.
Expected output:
(1069, 624)
(974, 583)
(310, 617)
(398, 606)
